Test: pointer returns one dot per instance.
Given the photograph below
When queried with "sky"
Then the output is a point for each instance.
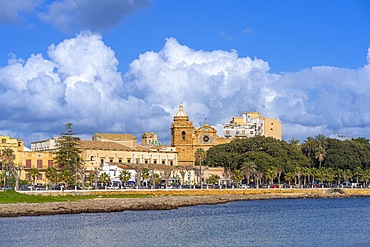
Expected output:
(125, 66)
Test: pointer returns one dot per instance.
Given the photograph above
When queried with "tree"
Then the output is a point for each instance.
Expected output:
(34, 173)
(17, 173)
(248, 169)
(320, 154)
(212, 179)
(200, 156)
(124, 176)
(104, 178)
(357, 172)
(308, 146)
(237, 176)
(52, 174)
(68, 155)
(67, 177)
(289, 177)
(7, 160)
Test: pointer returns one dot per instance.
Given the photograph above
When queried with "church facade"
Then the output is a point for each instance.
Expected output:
(187, 139)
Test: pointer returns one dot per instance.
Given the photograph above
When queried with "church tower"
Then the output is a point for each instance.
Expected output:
(182, 137)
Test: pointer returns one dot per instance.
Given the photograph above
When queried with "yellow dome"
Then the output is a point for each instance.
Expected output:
(181, 112)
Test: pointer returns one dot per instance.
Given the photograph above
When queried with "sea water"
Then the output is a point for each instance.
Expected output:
(287, 222)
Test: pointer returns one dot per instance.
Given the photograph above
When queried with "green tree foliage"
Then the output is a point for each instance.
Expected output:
(33, 173)
(68, 156)
(212, 179)
(124, 176)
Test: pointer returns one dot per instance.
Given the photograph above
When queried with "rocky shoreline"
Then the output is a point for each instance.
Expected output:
(165, 201)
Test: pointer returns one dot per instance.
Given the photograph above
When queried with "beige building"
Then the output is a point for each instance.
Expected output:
(252, 124)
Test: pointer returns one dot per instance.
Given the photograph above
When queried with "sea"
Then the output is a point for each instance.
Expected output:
(281, 222)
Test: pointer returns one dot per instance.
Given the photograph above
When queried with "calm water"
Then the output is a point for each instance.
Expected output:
(298, 222)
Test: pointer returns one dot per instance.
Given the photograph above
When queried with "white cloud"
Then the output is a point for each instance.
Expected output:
(79, 83)
(74, 15)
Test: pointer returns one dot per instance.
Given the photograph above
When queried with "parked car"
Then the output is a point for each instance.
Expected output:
(347, 185)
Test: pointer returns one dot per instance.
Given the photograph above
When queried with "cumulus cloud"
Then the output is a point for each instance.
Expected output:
(11, 11)
(78, 82)
(219, 85)
(74, 15)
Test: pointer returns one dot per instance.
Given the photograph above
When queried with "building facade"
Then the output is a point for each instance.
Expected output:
(252, 124)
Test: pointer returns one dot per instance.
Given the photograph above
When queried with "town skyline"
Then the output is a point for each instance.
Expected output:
(124, 67)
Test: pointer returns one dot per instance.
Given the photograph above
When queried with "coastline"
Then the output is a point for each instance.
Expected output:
(165, 200)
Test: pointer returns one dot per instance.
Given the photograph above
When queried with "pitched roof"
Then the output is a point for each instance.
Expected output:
(115, 137)
(83, 144)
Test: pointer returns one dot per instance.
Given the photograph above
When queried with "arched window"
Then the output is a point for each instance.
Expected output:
(183, 135)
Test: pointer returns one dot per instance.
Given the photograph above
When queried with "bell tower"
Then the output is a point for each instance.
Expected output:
(182, 137)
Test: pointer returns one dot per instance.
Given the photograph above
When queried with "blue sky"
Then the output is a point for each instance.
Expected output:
(125, 66)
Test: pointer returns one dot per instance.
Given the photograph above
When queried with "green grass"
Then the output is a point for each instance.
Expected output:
(10, 196)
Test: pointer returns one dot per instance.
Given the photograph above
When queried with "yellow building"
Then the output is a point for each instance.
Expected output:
(13, 144)
(186, 139)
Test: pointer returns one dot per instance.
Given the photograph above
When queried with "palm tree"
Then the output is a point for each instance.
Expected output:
(320, 154)
(237, 176)
(365, 176)
(248, 169)
(320, 140)
(270, 175)
(357, 172)
(278, 170)
(298, 173)
(308, 146)
(34, 173)
(289, 176)
(104, 178)
(124, 176)
(200, 156)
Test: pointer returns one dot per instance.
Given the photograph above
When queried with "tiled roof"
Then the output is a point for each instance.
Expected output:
(103, 145)
(115, 137)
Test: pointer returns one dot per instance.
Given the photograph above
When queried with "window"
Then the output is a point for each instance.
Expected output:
(111, 161)
(183, 135)
(128, 161)
(50, 163)
(28, 163)
(39, 163)
(120, 161)
(171, 162)
(146, 161)
(155, 161)
(163, 162)
(3, 140)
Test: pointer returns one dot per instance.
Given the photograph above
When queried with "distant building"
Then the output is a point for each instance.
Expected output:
(250, 125)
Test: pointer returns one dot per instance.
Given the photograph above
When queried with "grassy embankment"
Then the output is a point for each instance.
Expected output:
(40, 197)
(10, 196)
